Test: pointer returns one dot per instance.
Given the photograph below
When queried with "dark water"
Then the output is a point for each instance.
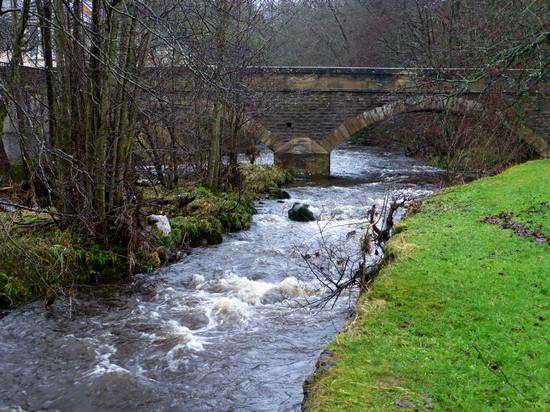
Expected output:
(226, 329)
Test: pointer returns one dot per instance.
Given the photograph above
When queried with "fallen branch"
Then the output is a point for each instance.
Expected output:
(34, 209)
(337, 270)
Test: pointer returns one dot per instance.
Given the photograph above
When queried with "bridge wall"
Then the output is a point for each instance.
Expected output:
(314, 114)
(304, 112)
(10, 138)
(309, 110)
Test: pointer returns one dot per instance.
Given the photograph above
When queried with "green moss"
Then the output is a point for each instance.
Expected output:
(13, 291)
(195, 231)
(259, 178)
(146, 260)
(39, 261)
(460, 318)
(210, 215)
(184, 228)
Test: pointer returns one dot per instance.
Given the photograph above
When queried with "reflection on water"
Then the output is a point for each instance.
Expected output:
(227, 328)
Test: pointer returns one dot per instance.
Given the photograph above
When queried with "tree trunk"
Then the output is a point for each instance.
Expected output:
(104, 122)
(20, 24)
(214, 158)
(215, 145)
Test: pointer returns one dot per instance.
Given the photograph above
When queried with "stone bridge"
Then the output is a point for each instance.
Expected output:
(306, 112)
(303, 113)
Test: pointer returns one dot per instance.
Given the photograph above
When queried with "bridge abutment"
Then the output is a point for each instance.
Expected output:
(303, 156)
(303, 165)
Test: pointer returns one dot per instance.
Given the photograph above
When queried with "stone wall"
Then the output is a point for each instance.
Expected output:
(314, 114)
(304, 112)
(314, 102)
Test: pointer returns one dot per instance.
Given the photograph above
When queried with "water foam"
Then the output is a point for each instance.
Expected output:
(104, 364)
(226, 310)
(344, 210)
(269, 218)
(292, 287)
(196, 280)
(240, 292)
(187, 339)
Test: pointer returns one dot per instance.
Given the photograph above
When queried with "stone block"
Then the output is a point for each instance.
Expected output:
(303, 165)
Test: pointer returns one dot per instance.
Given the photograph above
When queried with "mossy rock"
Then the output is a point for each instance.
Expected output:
(258, 178)
(300, 213)
(276, 193)
(194, 231)
(147, 261)
(211, 231)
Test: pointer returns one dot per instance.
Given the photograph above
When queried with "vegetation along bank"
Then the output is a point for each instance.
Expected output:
(40, 259)
(459, 318)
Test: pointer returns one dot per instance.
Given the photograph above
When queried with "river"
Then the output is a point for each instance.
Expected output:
(228, 328)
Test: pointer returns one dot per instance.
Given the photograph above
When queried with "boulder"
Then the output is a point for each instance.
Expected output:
(300, 213)
(160, 223)
(276, 193)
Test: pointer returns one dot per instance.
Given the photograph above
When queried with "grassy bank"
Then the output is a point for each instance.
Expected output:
(39, 260)
(459, 319)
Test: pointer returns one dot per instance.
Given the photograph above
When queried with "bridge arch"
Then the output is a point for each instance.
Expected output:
(455, 105)
(261, 133)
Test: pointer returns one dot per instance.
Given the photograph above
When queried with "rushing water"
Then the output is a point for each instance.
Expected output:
(224, 329)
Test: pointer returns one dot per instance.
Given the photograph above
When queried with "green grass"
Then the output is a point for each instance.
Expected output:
(459, 320)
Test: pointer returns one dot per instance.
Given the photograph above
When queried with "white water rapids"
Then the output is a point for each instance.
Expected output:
(227, 328)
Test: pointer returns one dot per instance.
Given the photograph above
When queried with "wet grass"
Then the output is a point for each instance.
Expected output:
(460, 318)
(536, 218)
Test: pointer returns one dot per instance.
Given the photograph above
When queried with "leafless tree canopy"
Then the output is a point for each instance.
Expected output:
(133, 89)
(413, 33)
(339, 268)
(129, 87)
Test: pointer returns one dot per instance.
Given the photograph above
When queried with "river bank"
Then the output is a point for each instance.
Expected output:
(39, 260)
(459, 318)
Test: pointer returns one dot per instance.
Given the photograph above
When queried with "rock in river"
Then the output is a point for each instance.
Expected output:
(276, 193)
(300, 212)
(160, 223)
